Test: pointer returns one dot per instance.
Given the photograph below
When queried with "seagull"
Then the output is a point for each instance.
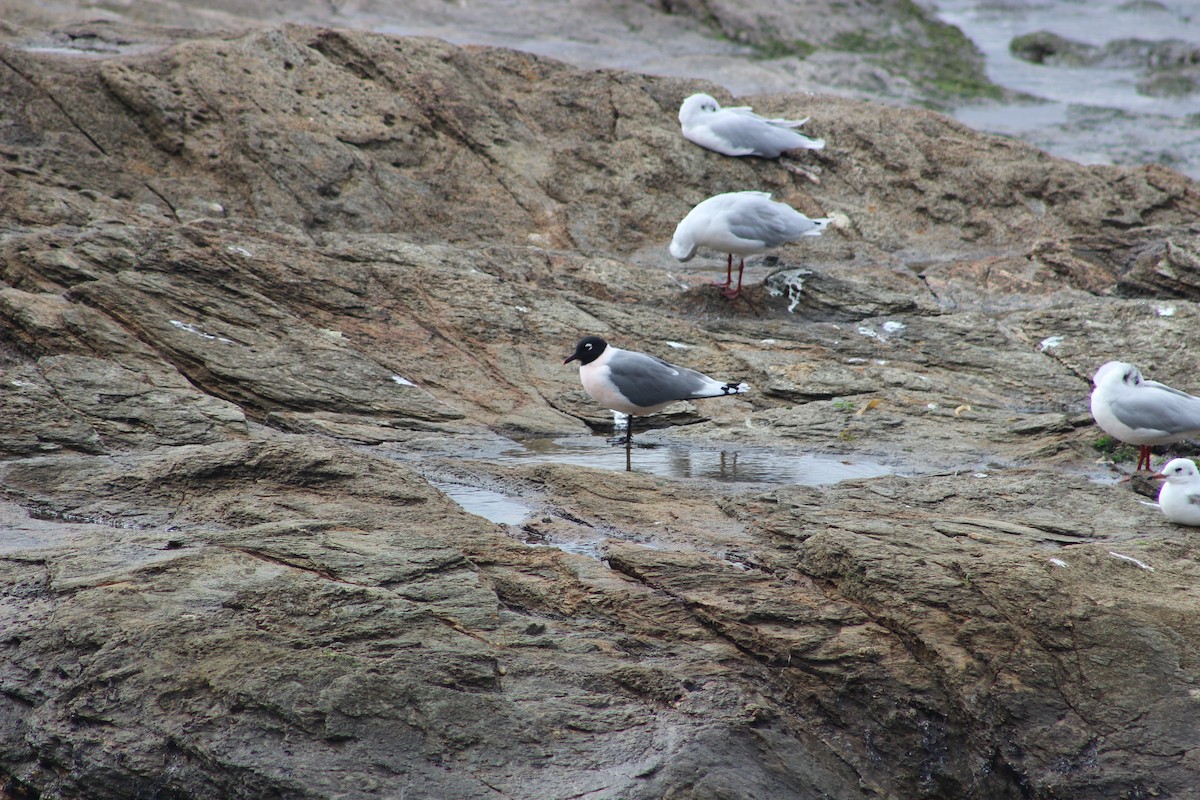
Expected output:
(1179, 497)
(742, 223)
(637, 384)
(739, 131)
(1134, 410)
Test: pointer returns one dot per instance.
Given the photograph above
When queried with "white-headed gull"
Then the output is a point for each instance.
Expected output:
(742, 224)
(1134, 410)
(637, 384)
(1179, 497)
(739, 131)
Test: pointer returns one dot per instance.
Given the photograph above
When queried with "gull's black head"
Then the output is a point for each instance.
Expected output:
(587, 351)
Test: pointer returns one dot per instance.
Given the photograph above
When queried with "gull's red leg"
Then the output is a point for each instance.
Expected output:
(1144, 456)
(732, 293)
(728, 274)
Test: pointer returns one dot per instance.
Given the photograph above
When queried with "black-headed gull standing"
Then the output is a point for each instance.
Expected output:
(742, 224)
(739, 131)
(1134, 410)
(637, 384)
(1179, 497)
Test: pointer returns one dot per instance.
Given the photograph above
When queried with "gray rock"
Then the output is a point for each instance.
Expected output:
(1045, 47)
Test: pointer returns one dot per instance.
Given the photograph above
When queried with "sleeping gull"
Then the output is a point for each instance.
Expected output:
(1179, 497)
(1134, 410)
(742, 223)
(637, 384)
(739, 131)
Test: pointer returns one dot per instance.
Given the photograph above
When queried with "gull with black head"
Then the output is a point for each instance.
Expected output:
(637, 384)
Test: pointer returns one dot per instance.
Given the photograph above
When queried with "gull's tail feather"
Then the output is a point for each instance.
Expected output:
(715, 388)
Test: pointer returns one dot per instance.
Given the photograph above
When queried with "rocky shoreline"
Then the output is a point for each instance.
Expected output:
(256, 287)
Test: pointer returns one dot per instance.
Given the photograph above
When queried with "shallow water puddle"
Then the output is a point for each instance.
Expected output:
(505, 510)
(743, 465)
(589, 547)
(492, 506)
(726, 466)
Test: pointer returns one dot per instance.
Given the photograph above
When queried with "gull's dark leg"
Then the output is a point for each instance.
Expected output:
(728, 274)
(1144, 456)
(733, 293)
(629, 443)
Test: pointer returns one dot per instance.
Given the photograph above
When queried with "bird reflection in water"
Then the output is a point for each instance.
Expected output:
(685, 464)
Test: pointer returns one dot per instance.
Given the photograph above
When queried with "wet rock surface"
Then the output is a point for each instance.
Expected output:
(1168, 67)
(884, 48)
(260, 289)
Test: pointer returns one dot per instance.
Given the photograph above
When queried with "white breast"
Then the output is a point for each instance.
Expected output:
(1176, 503)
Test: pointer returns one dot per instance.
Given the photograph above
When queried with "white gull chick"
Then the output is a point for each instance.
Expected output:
(1179, 497)
(638, 384)
(1134, 410)
(739, 131)
(742, 224)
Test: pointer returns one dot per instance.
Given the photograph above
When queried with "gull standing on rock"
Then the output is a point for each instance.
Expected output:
(741, 223)
(1134, 410)
(637, 384)
(739, 131)
(1179, 497)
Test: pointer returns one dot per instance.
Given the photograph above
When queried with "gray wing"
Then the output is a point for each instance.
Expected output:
(1157, 407)
(763, 220)
(649, 381)
(756, 136)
